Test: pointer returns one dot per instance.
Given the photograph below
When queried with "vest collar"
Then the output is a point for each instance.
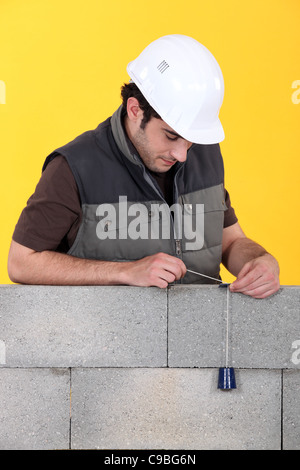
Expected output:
(121, 139)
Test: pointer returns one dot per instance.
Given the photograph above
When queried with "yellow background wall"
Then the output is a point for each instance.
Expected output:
(62, 63)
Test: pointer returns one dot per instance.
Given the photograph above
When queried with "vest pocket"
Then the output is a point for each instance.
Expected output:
(203, 219)
(115, 232)
(131, 221)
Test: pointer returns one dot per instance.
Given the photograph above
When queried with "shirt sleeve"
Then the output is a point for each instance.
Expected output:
(52, 216)
(230, 217)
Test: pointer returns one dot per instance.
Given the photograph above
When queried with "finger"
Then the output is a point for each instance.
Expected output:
(161, 283)
(160, 278)
(264, 287)
(265, 294)
(166, 272)
(244, 282)
(165, 267)
(250, 286)
(259, 291)
(268, 288)
(178, 262)
(266, 278)
(175, 266)
(167, 276)
(176, 271)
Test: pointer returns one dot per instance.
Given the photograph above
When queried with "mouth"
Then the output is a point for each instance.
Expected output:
(168, 162)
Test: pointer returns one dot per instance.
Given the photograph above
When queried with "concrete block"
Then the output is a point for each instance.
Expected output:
(35, 409)
(49, 326)
(291, 410)
(174, 409)
(196, 326)
(261, 331)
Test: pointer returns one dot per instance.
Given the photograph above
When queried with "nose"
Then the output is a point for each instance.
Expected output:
(179, 151)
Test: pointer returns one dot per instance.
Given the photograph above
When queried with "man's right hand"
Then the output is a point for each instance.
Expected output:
(27, 266)
(156, 270)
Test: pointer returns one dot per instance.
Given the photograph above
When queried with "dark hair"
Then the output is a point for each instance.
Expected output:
(130, 90)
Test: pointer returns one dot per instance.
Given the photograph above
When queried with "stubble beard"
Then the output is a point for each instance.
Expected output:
(142, 146)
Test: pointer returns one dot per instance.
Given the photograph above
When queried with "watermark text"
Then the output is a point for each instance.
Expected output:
(2, 92)
(296, 354)
(152, 221)
(296, 94)
(2, 352)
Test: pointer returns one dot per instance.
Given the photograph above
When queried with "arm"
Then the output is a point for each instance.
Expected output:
(56, 195)
(257, 271)
(27, 266)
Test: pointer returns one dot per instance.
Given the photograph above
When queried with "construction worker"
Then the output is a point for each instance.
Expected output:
(140, 200)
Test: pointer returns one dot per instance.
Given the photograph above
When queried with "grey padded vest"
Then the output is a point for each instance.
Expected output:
(125, 216)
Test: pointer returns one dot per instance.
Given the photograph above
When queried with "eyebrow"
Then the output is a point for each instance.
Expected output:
(172, 132)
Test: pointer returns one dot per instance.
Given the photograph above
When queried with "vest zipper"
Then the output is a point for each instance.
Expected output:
(177, 230)
(177, 227)
(178, 247)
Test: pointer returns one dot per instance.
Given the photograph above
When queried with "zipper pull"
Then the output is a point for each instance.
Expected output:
(178, 247)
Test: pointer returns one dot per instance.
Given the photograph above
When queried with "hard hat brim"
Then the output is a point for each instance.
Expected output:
(212, 135)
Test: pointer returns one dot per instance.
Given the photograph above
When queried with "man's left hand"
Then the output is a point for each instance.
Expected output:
(258, 278)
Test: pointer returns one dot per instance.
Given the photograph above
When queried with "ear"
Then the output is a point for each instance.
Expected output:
(134, 111)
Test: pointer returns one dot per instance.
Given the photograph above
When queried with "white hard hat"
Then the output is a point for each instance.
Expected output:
(183, 83)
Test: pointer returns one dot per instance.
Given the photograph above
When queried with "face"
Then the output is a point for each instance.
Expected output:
(159, 146)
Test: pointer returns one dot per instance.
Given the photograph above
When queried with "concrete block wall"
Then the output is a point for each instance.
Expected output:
(136, 368)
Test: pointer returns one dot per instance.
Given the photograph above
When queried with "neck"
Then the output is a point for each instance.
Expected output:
(128, 127)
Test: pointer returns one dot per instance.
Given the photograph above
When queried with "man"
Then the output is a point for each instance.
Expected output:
(157, 158)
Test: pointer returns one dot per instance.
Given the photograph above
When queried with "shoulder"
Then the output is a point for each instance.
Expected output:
(59, 171)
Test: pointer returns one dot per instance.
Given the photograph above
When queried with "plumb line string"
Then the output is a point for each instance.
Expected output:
(204, 275)
(227, 329)
(227, 311)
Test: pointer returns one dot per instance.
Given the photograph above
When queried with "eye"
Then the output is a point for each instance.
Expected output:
(171, 138)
